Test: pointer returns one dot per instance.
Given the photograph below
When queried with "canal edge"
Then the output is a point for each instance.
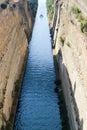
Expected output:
(61, 103)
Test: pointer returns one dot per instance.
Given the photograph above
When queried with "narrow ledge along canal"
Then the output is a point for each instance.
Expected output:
(38, 103)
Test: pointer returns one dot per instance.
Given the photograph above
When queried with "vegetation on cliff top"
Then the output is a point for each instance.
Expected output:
(81, 19)
(32, 6)
(50, 8)
(62, 40)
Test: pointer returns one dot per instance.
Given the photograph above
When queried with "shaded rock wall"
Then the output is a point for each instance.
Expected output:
(71, 54)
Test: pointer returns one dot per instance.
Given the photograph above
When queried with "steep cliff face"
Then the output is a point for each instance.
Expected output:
(15, 30)
(33, 6)
(70, 49)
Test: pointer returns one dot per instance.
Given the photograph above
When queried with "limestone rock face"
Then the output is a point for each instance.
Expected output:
(71, 54)
(15, 30)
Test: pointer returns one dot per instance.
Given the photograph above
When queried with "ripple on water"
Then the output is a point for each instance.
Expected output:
(38, 103)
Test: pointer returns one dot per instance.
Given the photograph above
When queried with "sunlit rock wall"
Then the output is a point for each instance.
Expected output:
(71, 50)
(15, 30)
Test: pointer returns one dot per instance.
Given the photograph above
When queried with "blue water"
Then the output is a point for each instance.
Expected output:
(38, 103)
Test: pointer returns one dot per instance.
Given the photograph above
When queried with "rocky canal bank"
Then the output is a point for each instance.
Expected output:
(53, 20)
(68, 32)
(16, 24)
(61, 103)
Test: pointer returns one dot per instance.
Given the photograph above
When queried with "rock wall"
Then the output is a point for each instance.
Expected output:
(15, 30)
(70, 49)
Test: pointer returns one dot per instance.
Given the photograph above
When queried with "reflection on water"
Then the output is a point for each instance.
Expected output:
(38, 104)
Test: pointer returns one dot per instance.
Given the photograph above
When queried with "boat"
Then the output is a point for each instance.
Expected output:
(41, 15)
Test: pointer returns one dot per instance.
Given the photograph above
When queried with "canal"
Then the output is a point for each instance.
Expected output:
(38, 103)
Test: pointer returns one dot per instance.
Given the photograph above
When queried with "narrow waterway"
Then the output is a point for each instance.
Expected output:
(38, 103)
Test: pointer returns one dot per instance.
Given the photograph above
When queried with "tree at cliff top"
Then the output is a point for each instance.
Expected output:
(32, 6)
(50, 8)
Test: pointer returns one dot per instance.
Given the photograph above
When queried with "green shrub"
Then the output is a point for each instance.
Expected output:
(84, 26)
(68, 44)
(16, 83)
(81, 19)
(3, 5)
(75, 10)
(32, 6)
(8, 127)
(62, 40)
(50, 8)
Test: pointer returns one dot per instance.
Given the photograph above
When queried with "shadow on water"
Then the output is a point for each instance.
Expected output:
(64, 113)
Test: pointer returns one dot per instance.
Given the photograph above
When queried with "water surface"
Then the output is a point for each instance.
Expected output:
(38, 103)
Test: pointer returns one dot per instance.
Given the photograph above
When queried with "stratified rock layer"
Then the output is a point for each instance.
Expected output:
(15, 30)
(70, 50)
